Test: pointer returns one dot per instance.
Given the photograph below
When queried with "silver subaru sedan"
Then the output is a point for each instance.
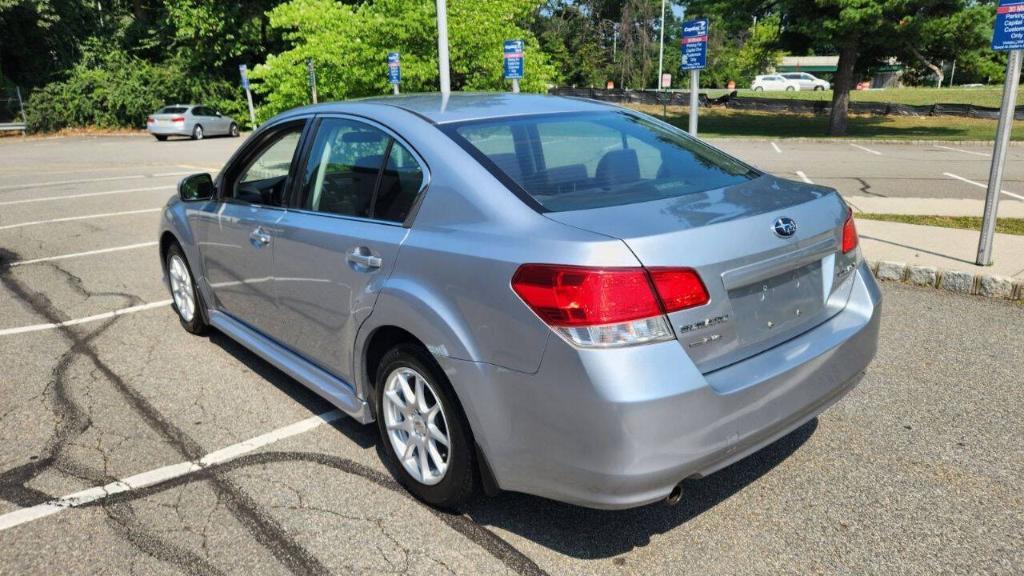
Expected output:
(529, 293)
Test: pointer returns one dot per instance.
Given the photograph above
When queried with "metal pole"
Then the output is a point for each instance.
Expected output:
(252, 111)
(661, 49)
(515, 86)
(952, 73)
(394, 89)
(995, 175)
(442, 46)
(21, 105)
(312, 78)
(694, 100)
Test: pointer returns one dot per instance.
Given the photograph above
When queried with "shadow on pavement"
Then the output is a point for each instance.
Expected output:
(589, 534)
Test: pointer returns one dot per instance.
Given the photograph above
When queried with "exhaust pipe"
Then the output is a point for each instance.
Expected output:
(675, 495)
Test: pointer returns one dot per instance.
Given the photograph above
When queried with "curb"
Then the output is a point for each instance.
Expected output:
(957, 282)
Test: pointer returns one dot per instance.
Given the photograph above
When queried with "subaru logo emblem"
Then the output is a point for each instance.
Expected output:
(784, 227)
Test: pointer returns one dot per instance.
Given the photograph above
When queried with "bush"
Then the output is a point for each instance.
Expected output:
(116, 90)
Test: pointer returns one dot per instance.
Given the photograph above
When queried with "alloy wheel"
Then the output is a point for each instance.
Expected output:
(181, 288)
(416, 425)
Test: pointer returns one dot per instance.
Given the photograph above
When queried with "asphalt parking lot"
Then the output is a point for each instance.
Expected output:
(920, 470)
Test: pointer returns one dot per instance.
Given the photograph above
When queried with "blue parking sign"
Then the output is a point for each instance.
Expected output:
(244, 71)
(513, 59)
(694, 44)
(1009, 32)
(394, 68)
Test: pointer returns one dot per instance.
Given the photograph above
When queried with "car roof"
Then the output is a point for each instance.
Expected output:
(463, 106)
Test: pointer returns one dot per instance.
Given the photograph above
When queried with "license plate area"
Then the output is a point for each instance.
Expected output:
(779, 304)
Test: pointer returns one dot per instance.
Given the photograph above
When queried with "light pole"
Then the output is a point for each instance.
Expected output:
(661, 49)
(442, 47)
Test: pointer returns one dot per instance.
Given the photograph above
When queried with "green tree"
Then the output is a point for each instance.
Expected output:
(349, 46)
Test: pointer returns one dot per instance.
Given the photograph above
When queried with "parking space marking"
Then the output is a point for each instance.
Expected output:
(29, 185)
(981, 185)
(804, 177)
(776, 147)
(80, 254)
(868, 150)
(72, 218)
(87, 319)
(166, 473)
(85, 195)
(963, 151)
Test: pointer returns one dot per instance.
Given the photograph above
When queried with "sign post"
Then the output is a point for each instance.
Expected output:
(442, 47)
(1008, 36)
(514, 63)
(244, 71)
(311, 72)
(394, 70)
(694, 46)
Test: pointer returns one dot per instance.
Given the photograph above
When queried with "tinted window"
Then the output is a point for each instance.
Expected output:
(264, 179)
(580, 161)
(343, 175)
(172, 110)
(399, 185)
(201, 111)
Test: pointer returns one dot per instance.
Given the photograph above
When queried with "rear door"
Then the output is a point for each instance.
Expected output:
(338, 242)
(237, 234)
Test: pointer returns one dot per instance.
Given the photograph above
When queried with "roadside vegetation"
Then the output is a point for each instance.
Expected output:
(723, 122)
(1013, 226)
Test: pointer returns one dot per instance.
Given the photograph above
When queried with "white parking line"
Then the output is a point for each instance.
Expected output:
(776, 147)
(73, 218)
(981, 185)
(869, 150)
(77, 321)
(160, 475)
(80, 254)
(803, 177)
(963, 151)
(86, 195)
(88, 180)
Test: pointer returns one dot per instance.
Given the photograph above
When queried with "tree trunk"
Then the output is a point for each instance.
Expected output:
(841, 90)
(935, 69)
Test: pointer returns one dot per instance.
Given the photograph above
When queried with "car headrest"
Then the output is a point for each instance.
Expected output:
(618, 166)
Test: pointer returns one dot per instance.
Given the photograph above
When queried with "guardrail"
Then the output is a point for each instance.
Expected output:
(13, 127)
(732, 100)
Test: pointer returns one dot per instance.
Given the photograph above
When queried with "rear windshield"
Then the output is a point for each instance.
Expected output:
(172, 110)
(578, 161)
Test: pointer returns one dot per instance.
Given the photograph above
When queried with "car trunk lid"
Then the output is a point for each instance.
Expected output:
(765, 287)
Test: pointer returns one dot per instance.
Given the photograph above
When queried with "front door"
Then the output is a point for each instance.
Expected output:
(237, 234)
(338, 244)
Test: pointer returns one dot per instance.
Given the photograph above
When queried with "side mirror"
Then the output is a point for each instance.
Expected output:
(196, 187)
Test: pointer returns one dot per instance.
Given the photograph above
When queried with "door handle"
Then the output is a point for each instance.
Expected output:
(360, 256)
(259, 237)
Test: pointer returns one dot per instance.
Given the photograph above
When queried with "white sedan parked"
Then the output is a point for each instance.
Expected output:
(774, 82)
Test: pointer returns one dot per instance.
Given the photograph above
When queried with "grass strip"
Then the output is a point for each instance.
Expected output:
(1013, 226)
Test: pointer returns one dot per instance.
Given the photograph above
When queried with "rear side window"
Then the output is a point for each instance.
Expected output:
(172, 110)
(357, 170)
(580, 161)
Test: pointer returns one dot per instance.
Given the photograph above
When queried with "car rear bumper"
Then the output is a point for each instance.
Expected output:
(169, 130)
(620, 428)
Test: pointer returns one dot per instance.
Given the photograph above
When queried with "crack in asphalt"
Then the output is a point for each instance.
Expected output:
(73, 421)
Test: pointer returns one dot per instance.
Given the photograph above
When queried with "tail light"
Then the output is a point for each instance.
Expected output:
(178, 119)
(605, 307)
(850, 239)
(150, 120)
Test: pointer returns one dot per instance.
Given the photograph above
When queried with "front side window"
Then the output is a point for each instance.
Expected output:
(265, 177)
(357, 170)
(593, 160)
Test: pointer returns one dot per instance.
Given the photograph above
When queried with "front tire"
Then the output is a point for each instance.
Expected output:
(758, 89)
(233, 130)
(197, 132)
(186, 300)
(160, 138)
(790, 89)
(425, 435)
(817, 88)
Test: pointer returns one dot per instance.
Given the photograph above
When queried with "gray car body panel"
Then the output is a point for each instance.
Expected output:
(609, 428)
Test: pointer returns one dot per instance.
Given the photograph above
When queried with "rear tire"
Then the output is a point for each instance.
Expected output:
(160, 138)
(790, 89)
(186, 299)
(233, 130)
(758, 89)
(416, 423)
(817, 88)
(197, 132)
